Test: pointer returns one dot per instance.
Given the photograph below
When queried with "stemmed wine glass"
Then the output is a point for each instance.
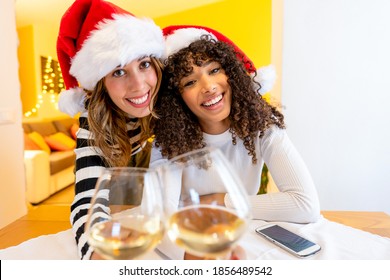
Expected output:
(205, 202)
(125, 219)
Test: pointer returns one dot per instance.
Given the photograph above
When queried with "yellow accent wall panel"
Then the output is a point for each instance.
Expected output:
(27, 71)
(246, 22)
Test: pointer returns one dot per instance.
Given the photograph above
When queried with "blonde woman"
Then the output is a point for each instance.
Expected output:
(109, 61)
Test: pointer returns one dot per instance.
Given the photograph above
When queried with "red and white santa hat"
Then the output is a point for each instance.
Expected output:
(178, 37)
(95, 37)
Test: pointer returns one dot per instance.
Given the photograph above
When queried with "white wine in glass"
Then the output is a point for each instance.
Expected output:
(206, 204)
(126, 215)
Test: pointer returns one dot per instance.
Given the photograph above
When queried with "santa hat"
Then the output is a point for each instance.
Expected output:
(178, 37)
(95, 37)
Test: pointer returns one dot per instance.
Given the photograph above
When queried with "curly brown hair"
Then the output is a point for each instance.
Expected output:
(108, 123)
(177, 129)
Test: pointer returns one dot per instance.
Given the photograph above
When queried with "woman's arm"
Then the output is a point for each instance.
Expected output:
(89, 166)
(297, 199)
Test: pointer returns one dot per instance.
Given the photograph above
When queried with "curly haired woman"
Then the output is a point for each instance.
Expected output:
(210, 97)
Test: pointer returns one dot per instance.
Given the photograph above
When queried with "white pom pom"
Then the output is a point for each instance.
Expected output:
(71, 101)
(266, 77)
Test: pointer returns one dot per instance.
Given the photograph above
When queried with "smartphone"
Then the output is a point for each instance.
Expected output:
(288, 240)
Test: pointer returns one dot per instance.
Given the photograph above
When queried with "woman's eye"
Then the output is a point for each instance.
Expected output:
(118, 73)
(215, 70)
(145, 64)
(188, 84)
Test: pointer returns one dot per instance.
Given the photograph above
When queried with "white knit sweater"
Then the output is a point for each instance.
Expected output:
(297, 199)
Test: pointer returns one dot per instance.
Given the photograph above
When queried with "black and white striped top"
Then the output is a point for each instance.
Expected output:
(89, 166)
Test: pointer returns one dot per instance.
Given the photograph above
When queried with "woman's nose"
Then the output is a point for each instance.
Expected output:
(208, 86)
(135, 81)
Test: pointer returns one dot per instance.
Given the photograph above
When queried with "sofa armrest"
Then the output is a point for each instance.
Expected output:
(37, 168)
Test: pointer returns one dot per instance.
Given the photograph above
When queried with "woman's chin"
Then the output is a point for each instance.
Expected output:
(139, 112)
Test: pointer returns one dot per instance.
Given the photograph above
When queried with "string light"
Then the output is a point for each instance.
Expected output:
(52, 83)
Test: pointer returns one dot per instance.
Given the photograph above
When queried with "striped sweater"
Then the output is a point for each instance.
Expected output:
(89, 166)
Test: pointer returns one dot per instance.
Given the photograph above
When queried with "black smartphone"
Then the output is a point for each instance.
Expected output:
(288, 240)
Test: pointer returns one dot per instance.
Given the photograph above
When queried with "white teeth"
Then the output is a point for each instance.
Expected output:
(138, 100)
(213, 101)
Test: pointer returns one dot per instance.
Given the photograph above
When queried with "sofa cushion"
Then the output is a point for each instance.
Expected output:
(60, 142)
(45, 128)
(64, 125)
(61, 160)
(40, 141)
(73, 130)
(26, 128)
(29, 144)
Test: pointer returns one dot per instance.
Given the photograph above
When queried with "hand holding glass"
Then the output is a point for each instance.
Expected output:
(206, 204)
(125, 219)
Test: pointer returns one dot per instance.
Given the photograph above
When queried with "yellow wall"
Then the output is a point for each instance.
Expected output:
(34, 41)
(45, 40)
(27, 71)
(246, 22)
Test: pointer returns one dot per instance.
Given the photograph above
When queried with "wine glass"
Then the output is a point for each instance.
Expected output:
(205, 202)
(125, 219)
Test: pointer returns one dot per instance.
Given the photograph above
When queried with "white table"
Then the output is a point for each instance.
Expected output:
(338, 242)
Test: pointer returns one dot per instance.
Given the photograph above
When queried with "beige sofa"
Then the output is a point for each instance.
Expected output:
(48, 172)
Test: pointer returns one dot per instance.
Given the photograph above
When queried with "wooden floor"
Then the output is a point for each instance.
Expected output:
(52, 216)
(64, 197)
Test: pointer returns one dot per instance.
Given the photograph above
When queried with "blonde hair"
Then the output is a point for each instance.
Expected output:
(108, 123)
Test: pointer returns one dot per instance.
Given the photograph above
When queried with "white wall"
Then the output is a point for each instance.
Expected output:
(336, 93)
(12, 186)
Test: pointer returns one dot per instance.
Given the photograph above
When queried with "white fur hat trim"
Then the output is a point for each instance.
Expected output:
(266, 77)
(183, 38)
(71, 101)
(115, 43)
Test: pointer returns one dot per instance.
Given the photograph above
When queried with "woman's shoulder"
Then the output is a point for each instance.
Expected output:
(274, 130)
(272, 135)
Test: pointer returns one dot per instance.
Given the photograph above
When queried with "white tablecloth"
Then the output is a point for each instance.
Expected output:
(338, 242)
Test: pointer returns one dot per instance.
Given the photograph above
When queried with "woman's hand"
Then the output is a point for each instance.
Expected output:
(96, 256)
(237, 253)
(209, 198)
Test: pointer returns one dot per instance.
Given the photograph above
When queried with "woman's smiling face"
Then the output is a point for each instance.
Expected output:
(130, 87)
(207, 93)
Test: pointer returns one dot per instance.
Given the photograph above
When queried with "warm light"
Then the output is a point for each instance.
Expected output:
(51, 79)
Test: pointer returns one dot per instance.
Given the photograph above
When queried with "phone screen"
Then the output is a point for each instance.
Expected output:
(287, 238)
